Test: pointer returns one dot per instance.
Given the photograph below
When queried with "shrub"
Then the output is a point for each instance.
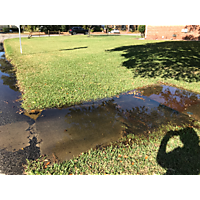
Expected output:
(110, 29)
(142, 28)
(97, 29)
(28, 28)
(6, 29)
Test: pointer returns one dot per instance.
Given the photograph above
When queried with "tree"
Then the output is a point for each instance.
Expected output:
(107, 29)
(142, 30)
(89, 26)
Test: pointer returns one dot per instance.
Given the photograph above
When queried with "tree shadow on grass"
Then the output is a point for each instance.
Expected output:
(104, 35)
(181, 161)
(73, 48)
(179, 60)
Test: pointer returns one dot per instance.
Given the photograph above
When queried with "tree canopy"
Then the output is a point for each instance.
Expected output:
(52, 27)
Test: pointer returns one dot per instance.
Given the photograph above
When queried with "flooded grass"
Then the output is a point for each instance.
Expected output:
(131, 156)
(66, 132)
(132, 144)
(54, 71)
(9, 93)
(142, 131)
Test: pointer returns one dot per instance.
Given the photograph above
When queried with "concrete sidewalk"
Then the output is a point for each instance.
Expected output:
(8, 36)
(4, 36)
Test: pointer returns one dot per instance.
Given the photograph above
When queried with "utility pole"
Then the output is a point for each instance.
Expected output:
(19, 38)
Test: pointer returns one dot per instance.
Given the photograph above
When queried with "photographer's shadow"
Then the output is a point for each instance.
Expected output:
(181, 161)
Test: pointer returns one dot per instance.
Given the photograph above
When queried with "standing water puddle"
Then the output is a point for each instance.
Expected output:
(9, 93)
(180, 100)
(14, 127)
(67, 132)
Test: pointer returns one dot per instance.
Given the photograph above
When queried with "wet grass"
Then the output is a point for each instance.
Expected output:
(58, 70)
(133, 155)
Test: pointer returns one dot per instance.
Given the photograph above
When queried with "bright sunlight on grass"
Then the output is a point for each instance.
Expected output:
(58, 71)
(55, 71)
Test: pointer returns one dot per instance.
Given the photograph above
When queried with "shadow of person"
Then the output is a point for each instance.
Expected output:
(181, 161)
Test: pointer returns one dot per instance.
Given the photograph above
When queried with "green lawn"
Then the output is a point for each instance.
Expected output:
(55, 71)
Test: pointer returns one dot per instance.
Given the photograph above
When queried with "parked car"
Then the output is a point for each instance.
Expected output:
(115, 31)
(75, 30)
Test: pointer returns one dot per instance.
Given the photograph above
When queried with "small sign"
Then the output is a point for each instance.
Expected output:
(184, 30)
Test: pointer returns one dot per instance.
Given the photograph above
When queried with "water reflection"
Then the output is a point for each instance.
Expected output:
(9, 108)
(181, 100)
(7, 74)
(68, 132)
(11, 94)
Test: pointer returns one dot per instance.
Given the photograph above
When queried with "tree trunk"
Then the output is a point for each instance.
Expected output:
(107, 29)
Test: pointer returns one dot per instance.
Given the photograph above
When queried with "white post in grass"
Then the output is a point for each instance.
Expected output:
(18, 26)
(146, 32)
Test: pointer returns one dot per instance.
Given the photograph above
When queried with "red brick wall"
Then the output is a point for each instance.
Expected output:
(157, 32)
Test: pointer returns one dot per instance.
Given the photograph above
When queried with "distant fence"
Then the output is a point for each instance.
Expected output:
(53, 32)
(36, 33)
(43, 33)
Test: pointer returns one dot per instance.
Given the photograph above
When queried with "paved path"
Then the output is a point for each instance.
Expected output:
(4, 36)
(8, 36)
(18, 139)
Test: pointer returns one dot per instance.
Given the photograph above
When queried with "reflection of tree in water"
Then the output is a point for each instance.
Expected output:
(94, 116)
(138, 118)
(177, 100)
(145, 117)
(156, 89)
(9, 80)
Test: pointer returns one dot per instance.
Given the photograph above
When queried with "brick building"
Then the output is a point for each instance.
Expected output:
(180, 32)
